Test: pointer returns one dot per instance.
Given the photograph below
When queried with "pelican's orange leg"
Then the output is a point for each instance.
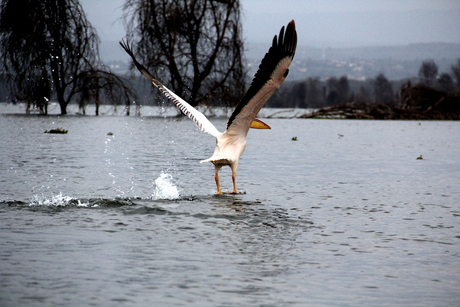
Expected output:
(216, 177)
(235, 191)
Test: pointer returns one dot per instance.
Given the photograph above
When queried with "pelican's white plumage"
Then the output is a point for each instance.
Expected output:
(231, 143)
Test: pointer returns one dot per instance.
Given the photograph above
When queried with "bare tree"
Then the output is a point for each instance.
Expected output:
(428, 72)
(338, 90)
(456, 73)
(195, 46)
(97, 83)
(332, 97)
(46, 47)
(297, 94)
(314, 96)
(363, 95)
(445, 83)
(344, 89)
(383, 90)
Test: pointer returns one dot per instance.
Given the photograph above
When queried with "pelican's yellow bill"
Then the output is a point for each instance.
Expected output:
(258, 124)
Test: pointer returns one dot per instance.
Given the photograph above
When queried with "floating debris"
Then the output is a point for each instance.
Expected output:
(57, 131)
(294, 138)
(109, 133)
(419, 157)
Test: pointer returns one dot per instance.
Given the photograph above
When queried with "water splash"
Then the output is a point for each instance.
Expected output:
(58, 200)
(165, 187)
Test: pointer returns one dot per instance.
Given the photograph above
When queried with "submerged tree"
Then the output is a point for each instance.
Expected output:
(195, 46)
(47, 46)
(96, 82)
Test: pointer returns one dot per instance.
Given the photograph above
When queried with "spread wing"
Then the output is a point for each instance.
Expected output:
(200, 120)
(272, 71)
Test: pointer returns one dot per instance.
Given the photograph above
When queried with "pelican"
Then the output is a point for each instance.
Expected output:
(231, 143)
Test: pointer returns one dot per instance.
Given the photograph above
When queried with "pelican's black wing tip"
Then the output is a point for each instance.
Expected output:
(286, 40)
(124, 43)
(289, 39)
(129, 50)
(283, 46)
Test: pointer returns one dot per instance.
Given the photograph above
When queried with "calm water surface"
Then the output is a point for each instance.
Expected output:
(344, 216)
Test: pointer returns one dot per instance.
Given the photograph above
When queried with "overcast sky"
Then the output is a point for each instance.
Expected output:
(323, 23)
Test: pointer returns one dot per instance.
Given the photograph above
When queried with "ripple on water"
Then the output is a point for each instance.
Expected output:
(354, 220)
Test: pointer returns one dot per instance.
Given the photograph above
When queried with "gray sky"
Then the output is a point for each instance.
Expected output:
(323, 23)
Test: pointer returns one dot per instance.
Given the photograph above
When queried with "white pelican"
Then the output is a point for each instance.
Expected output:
(230, 144)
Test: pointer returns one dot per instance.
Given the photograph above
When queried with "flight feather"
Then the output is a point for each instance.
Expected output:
(196, 116)
(272, 71)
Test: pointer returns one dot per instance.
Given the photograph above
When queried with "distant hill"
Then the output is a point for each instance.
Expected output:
(423, 51)
(111, 51)
(433, 51)
(396, 62)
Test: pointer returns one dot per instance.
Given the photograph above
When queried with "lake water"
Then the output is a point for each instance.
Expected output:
(118, 212)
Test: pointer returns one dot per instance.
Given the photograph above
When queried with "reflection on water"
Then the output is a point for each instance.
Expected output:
(345, 215)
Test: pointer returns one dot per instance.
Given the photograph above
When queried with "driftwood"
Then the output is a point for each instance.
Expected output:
(415, 102)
